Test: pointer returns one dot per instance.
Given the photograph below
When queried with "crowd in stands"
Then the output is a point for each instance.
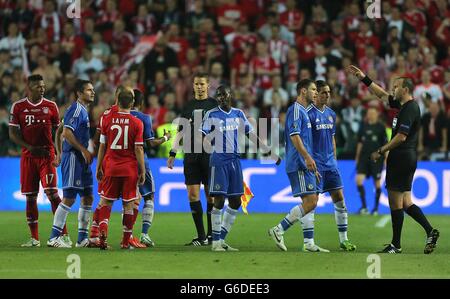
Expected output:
(261, 48)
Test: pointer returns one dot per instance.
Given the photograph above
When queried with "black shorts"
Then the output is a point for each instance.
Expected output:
(196, 169)
(400, 169)
(370, 168)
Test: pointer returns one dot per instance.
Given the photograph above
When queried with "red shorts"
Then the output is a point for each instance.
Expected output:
(33, 170)
(113, 188)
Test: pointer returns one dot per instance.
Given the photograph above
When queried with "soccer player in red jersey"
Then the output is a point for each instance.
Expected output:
(114, 108)
(30, 126)
(120, 165)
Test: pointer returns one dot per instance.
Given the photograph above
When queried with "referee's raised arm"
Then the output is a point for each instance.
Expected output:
(373, 87)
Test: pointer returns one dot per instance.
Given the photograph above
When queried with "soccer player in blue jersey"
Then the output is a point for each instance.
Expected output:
(323, 121)
(147, 190)
(222, 126)
(300, 165)
(76, 170)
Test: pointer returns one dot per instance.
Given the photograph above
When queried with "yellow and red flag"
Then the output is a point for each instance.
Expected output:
(246, 197)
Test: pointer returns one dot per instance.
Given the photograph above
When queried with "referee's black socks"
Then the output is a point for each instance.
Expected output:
(397, 225)
(197, 215)
(362, 195)
(416, 213)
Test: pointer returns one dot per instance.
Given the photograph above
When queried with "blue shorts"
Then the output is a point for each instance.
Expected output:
(226, 179)
(303, 182)
(330, 180)
(149, 184)
(76, 175)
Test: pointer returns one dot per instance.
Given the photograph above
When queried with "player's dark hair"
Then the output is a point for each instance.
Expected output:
(80, 84)
(126, 99)
(408, 83)
(138, 98)
(201, 75)
(34, 78)
(304, 83)
(321, 84)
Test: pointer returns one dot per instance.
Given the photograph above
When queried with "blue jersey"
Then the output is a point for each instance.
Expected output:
(323, 130)
(297, 123)
(225, 127)
(148, 132)
(76, 119)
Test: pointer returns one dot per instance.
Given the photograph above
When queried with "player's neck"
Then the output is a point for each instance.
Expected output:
(320, 107)
(35, 100)
(85, 104)
(406, 99)
(200, 98)
(302, 102)
(124, 110)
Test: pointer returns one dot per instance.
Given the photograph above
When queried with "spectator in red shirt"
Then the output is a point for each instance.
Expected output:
(106, 19)
(365, 37)
(415, 17)
(307, 43)
(144, 23)
(292, 18)
(352, 20)
(266, 29)
(50, 21)
(72, 44)
(291, 69)
(263, 67)
(371, 61)
(178, 43)
(155, 110)
(278, 48)
(229, 15)
(242, 38)
(122, 41)
(240, 64)
(192, 60)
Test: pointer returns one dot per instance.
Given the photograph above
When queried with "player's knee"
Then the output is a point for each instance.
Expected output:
(234, 203)
(149, 197)
(52, 195)
(219, 202)
(87, 200)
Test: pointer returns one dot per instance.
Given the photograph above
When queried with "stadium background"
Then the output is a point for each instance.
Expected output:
(157, 46)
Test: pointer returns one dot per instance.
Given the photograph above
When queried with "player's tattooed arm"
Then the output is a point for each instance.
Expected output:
(72, 140)
(156, 142)
(58, 144)
(373, 87)
(16, 137)
(139, 152)
(100, 157)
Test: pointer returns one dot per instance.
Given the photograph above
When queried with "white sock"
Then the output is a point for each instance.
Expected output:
(216, 219)
(84, 216)
(147, 214)
(308, 228)
(60, 216)
(228, 219)
(293, 216)
(341, 217)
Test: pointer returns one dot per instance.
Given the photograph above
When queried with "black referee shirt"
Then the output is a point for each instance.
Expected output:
(197, 109)
(407, 122)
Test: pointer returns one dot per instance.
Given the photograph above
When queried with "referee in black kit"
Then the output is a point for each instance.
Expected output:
(371, 136)
(196, 161)
(402, 158)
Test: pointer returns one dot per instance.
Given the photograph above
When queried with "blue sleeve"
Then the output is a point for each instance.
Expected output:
(247, 125)
(206, 127)
(148, 132)
(334, 122)
(293, 125)
(72, 120)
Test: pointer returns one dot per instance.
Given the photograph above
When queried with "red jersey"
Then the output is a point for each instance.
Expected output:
(35, 122)
(121, 132)
(113, 108)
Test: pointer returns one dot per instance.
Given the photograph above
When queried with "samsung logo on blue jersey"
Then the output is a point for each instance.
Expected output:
(228, 128)
(324, 127)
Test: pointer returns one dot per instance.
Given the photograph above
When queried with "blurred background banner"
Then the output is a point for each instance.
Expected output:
(269, 184)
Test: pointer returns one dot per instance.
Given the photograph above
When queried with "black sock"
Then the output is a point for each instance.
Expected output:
(362, 194)
(397, 217)
(197, 215)
(416, 213)
(208, 215)
(377, 198)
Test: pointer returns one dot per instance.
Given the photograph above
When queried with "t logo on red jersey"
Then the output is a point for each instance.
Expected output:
(29, 119)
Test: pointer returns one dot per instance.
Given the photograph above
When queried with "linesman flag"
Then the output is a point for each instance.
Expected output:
(246, 197)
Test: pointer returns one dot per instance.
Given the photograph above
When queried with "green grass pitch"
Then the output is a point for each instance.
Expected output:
(258, 256)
